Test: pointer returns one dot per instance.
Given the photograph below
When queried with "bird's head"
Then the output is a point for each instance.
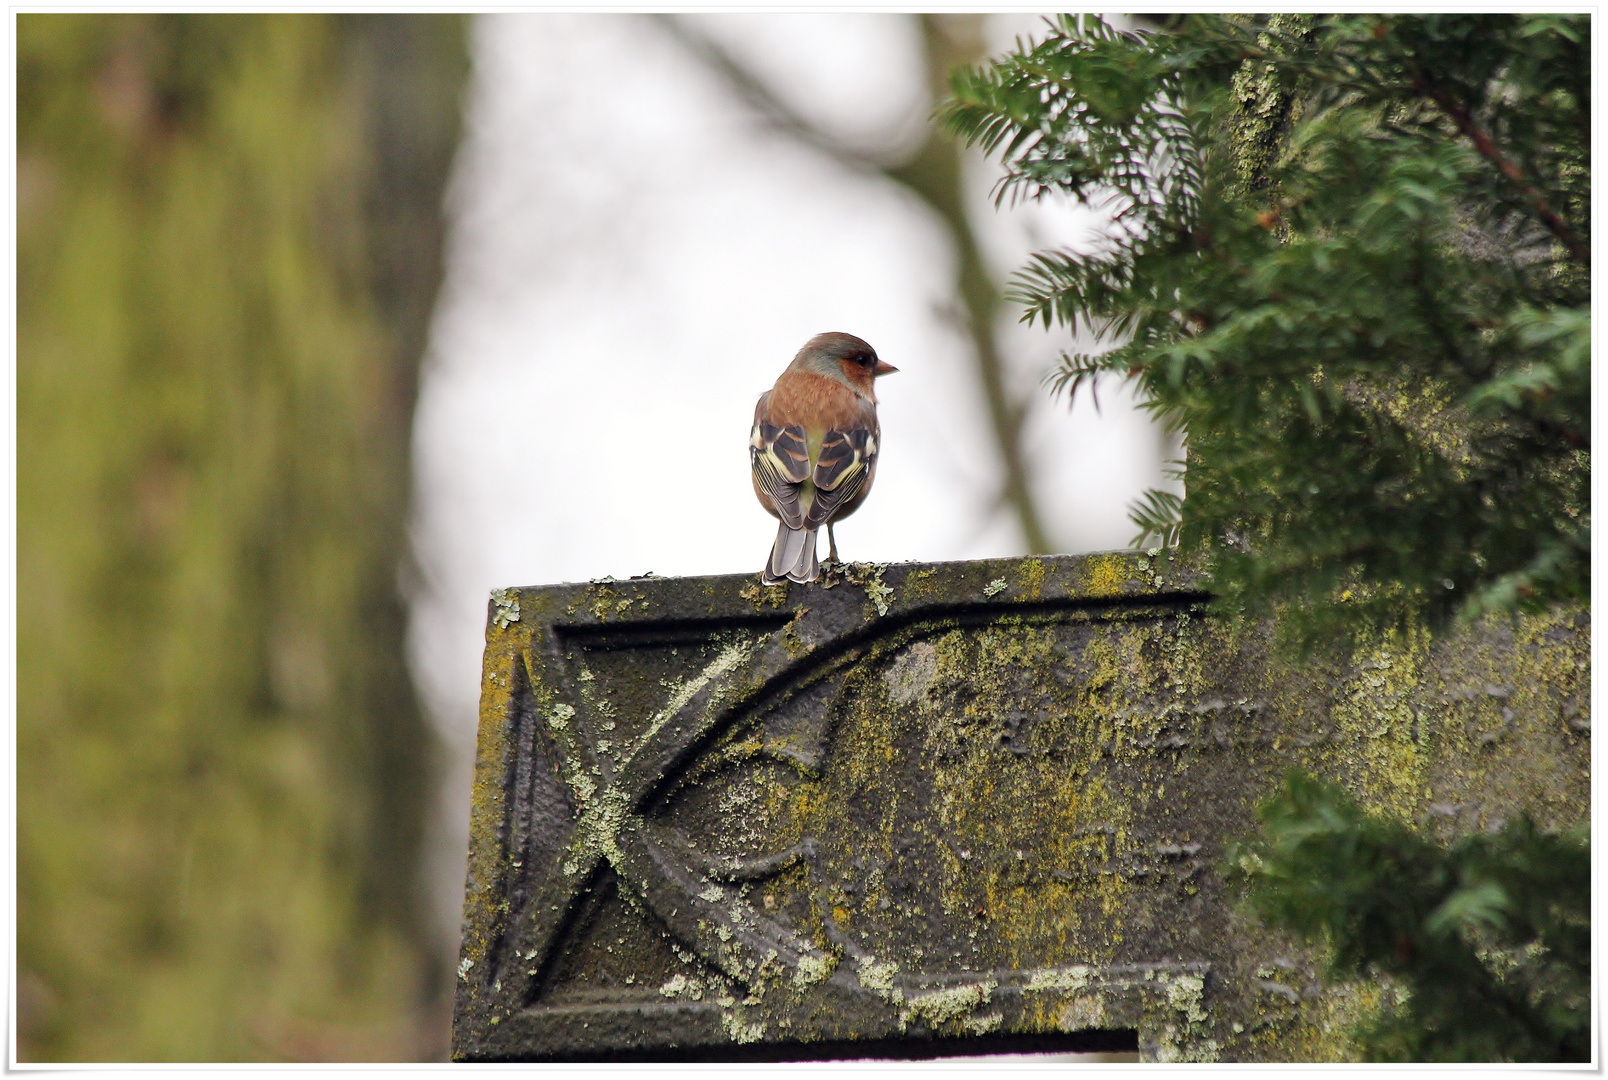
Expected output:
(843, 357)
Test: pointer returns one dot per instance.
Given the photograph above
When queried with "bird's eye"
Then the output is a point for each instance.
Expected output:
(863, 360)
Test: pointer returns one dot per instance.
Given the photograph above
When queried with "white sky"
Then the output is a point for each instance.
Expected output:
(633, 257)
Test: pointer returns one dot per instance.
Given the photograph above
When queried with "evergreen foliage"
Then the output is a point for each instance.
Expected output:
(228, 241)
(1351, 263)
(1490, 937)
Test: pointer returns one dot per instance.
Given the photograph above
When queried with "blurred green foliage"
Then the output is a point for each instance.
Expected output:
(1489, 938)
(228, 245)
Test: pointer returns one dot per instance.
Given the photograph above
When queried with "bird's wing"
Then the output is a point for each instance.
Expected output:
(780, 459)
(841, 471)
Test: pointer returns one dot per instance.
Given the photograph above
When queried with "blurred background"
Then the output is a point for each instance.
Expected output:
(327, 326)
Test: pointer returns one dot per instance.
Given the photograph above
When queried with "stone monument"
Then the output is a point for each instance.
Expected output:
(918, 810)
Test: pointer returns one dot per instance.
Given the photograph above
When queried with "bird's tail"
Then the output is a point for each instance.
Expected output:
(792, 556)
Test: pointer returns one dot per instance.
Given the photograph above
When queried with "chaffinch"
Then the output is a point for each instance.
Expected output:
(813, 449)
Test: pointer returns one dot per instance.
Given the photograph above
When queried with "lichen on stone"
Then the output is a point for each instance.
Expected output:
(738, 1031)
(869, 577)
(812, 969)
(1073, 977)
(1184, 994)
(878, 978)
(1005, 791)
(910, 676)
(559, 716)
(505, 608)
(759, 595)
(940, 1006)
(727, 660)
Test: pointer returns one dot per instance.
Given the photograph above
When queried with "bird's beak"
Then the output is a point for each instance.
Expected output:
(883, 368)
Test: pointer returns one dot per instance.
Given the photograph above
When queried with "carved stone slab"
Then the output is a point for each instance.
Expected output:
(945, 808)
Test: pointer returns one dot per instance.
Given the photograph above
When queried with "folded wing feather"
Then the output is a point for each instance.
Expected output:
(841, 471)
(780, 460)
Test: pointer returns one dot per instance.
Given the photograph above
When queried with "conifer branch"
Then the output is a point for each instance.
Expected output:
(1379, 403)
(1459, 114)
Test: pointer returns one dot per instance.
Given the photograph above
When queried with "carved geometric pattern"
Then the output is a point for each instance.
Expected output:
(957, 802)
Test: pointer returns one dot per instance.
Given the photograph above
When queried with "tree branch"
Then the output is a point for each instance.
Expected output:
(759, 97)
(1460, 115)
(934, 176)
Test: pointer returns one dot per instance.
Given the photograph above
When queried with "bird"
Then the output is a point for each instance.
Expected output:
(813, 448)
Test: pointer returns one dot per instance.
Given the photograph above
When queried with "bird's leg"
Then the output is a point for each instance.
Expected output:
(831, 541)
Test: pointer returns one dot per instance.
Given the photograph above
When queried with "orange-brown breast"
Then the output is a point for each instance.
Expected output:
(818, 403)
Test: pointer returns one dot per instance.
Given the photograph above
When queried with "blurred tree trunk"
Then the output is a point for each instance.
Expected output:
(936, 175)
(229, 241)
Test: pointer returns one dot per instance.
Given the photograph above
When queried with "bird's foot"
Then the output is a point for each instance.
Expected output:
(831, 573)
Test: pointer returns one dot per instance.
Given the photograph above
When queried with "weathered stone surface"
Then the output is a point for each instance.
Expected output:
(937, 805)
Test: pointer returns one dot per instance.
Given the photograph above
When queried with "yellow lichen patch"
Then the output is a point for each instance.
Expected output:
(1105, 574)
(1043, 791)
(982, 800)
(1376, 720)
(1031, 577)
(604, 601)
(759, 596)
(918, 585)
(1318, 1029)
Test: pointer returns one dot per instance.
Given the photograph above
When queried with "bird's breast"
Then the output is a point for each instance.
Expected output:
(818, 404)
